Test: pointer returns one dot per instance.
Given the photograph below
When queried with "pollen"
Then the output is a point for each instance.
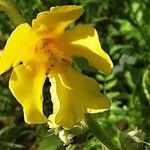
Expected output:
(49, 54)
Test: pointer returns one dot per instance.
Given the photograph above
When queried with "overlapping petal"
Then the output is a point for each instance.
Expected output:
(74, 94)
(83, 41)
(52, 23)
(19, 47)
(26, 84)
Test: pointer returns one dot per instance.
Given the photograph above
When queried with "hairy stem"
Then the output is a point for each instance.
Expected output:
(100, 133)
(10, 9)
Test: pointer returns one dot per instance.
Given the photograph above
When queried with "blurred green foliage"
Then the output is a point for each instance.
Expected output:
(124, 29)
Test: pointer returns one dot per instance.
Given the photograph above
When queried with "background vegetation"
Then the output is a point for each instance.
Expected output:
(124, 29)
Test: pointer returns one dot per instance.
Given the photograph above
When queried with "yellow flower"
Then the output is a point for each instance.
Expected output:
(46, 50)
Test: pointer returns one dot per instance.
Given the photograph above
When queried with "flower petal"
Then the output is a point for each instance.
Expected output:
(74, 94)
(83, 41)
(26, 84)
(52, 23)
(18, 47)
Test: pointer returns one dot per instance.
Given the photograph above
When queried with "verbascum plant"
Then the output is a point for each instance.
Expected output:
(46, 49)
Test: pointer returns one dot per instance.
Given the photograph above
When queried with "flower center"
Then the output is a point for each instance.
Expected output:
(49, 55)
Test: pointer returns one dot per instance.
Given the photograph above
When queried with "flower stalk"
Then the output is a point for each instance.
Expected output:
(100, 133)
(10, 9)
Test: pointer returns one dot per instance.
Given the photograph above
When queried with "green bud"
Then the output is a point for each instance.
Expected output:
(132, 140)
(76, 135)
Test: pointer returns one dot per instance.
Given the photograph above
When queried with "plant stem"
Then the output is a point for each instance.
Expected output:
(100, 133)
(10, 9)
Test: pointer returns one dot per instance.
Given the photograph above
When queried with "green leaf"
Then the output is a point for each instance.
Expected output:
(146, 84)
(49, 143)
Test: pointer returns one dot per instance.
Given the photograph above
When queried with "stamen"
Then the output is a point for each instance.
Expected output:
(66, 60)
(49, 55)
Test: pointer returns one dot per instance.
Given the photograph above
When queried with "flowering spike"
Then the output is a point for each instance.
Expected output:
(46, 50)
